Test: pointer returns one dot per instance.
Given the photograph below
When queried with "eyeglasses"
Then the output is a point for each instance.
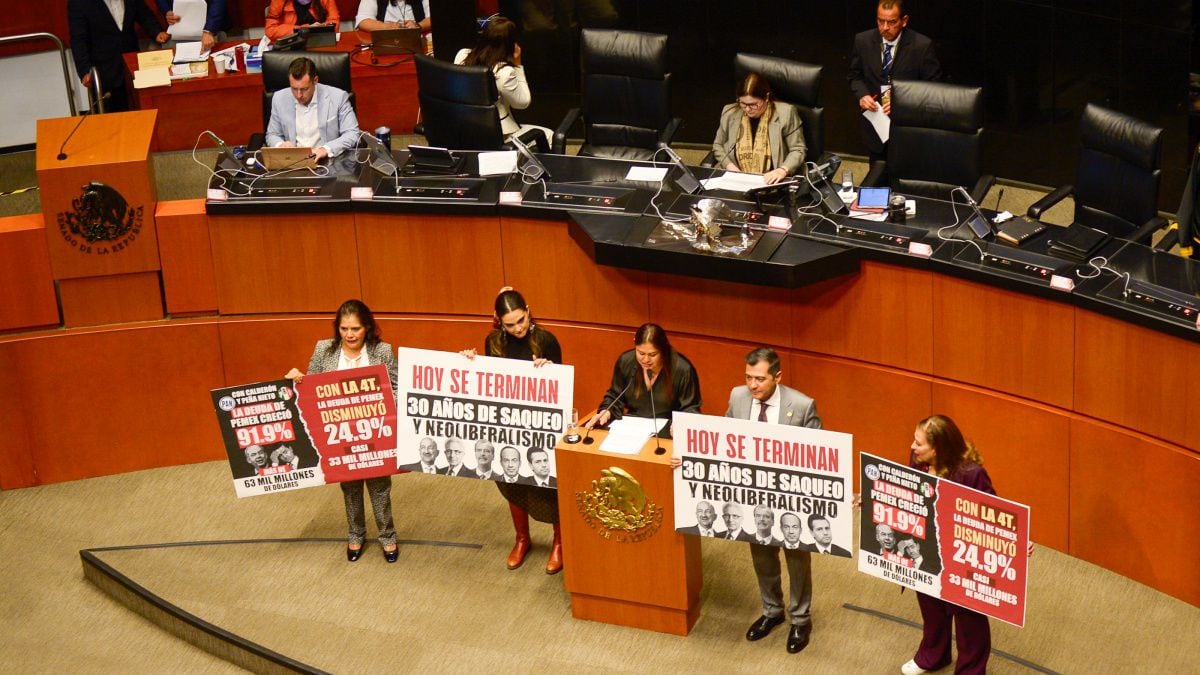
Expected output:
(751, 105)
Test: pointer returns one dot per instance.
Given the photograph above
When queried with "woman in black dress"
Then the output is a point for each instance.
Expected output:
(650, 380)
(516, 336)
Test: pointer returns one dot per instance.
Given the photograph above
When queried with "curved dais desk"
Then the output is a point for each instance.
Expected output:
(1082, 409)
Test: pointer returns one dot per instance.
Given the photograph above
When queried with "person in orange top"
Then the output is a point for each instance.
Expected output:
(283, 16)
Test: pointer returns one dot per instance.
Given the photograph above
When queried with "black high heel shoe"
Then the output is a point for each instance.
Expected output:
(354, 554)
(392, 555)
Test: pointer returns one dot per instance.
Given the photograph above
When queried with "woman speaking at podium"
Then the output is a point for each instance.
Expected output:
(758, 134)
(515, 335)
(497, 50)
(356, 344)
(650, 380)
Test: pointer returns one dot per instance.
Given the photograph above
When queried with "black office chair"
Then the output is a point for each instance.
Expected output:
(458, 104)
(626, 96)
(936, 142)
(1116, 181)
(333, 69)
(791, 82)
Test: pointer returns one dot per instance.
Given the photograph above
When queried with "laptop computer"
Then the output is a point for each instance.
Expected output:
(397, 41)
(320, 35)
(278, 159)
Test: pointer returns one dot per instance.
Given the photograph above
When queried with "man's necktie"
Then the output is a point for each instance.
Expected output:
(887, 61)
(762, 412)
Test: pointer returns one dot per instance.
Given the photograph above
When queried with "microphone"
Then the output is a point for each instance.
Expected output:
(587, 438)
(687, 180)
(999, 197)
(658, 448)
(62, 155)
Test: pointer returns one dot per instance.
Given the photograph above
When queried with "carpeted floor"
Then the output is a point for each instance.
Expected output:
(457, 609)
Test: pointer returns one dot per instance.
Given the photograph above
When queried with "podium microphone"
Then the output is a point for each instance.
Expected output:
(587, 438)
(62, 155)
(658, 448)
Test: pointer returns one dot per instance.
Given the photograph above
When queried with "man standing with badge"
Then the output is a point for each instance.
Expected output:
(764, 399)
(891, 51)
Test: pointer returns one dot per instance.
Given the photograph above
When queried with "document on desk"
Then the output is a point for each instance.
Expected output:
(192, 14)
(499, 163)
(869, 215)
(734, 181)
(649, 174)
(627, 435)
(881, 122)
(189, 52)
(152, 77)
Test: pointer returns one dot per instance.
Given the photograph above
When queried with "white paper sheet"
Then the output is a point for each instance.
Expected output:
(881, 122)
(191, 19)
(627, 435)
(497, 163)
(189, 52)
(650, 174)
(152, 77)
(734, 181)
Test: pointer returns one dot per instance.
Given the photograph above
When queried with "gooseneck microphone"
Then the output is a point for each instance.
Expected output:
(658, 448)
(587, 438)
(63, 155)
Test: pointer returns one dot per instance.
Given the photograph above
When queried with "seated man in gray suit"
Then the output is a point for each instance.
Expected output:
(764, 399)
(311, 115)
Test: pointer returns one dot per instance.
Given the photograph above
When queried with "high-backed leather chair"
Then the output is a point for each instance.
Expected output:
(333, 69)
(458, 105)
(626, 91)
(1116, 181)
(791, 82)
(936, 141)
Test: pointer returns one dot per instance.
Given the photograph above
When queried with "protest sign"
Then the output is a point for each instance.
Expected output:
(944, 539)
(776, 484)
(351, 416)
(268, 446)
(483, 417)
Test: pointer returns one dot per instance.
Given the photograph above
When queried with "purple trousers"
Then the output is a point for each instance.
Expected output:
(973, 637)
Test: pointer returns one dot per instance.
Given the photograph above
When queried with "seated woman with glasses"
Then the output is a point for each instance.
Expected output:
(758, 134)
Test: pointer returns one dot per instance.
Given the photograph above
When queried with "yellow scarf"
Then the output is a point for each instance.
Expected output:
(754, 150)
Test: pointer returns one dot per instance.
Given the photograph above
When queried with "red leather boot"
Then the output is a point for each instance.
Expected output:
(521, 548)
(555, 564)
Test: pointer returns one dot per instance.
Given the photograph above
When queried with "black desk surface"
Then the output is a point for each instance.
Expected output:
(1142, 286)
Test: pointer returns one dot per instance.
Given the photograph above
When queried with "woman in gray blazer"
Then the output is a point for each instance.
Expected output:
(741, 145)
(355, 344)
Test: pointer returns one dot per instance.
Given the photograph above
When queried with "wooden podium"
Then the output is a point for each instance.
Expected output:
(98, 205)
(640, 573)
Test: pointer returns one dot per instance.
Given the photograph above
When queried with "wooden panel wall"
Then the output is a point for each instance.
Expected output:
(1085, 419)
(27, 298)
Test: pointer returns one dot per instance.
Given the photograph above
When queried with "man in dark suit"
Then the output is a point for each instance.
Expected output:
(706, 517)
(539, 462)
(732, 514)
(822, 533)
(890, 52)
(763, 398)
(789, 525)
(103, 30)
(764, 523)
(484, 452)
(428, 451)
(454, 460)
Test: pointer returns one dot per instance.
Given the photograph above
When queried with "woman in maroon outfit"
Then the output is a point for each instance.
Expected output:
(939, 448)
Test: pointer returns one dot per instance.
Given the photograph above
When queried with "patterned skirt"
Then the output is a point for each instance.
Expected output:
(541, 503)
